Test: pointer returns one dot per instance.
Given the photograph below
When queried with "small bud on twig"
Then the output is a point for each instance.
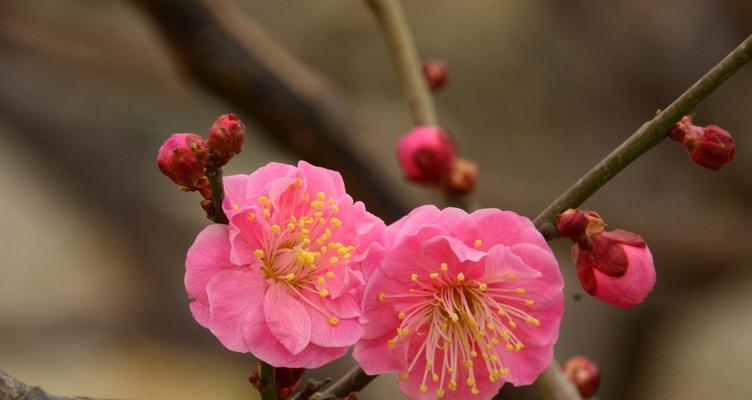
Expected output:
(183, 157)
(436, 73)
(584, 373)
(462, 177)
(616, 266)
(711, 146)
(426, 154)
(226, 139)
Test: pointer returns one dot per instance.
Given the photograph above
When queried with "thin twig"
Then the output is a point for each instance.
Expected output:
(404, 54)
(268, 381)
(13, 389)
(555, 385)
(649, 135)
(311, 387)
(214, 174)
(355, 380)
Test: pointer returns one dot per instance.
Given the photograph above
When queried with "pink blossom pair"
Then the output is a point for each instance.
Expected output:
(456, 303)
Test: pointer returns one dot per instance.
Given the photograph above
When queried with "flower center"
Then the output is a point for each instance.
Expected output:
(460, 323)
(298, 246)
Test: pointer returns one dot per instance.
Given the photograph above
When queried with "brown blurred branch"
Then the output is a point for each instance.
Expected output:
(12, 389)
(232, 57)
(649, 135)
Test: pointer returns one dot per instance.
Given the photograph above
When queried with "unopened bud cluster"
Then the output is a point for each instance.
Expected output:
(186, 157)
(710, 146)
(427, 155)
(615, 266)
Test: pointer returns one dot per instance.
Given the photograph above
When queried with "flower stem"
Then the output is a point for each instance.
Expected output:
(646, 137)
(404, 54)
(268, 382)
(214, 174)
(355, 380)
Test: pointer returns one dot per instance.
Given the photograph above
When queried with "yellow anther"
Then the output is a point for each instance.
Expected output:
(478, 243)
(470, 381)
(493, 377)
(490, 326)
(334, 260)
(473, 354)
(405, 376)
(429, 365)
(320, 195)
(323, 293)
(511, 276)
(452, 385)
(501, 312)
(331, 200)
(333, 320)
(494, 341)
(335, 209)
(321, 280)
(251, 216)
(532, 321)
(267, 213)
(235, 206)
(401, 316)
(509, 347)
(258, 253)
(512, 324)
(382, 296)
(391, 343)
(330, 274)
(529, 302)
(505, 335)
(423, 388)
(468, 363)
(263, 200)
(483, 287)
(450, 370)
(460, 277)
(276, 228)
(317, 204)
(504, 371)
(485, 356)
(318, 214)
(519, 346)
(335, 222)
(290, 276)
(494, 358)
(440, 393)
(414, 277)
(434, 275)
(474, 390)
(435, 377)
(298, 182)
(454, 317)
(347, 256)
(444, 266)
(403, 331)
(520, 290)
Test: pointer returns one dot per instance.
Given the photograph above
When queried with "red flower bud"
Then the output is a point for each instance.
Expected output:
(226, 139)
(584, 373)
(183, 157)
(436, 73)
(616, 267)
(426, 154)
(711, 146)
(462, 177)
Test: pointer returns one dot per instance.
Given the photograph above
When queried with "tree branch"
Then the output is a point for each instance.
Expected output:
(648, 136)
(404, 54)
(231, 56)
(13, 389)
(355, 380)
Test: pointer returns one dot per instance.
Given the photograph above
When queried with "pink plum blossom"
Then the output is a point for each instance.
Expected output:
(283, 280)
(461, 303)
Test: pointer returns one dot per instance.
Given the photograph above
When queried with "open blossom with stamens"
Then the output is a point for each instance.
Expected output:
(462, 303)
(283, 279)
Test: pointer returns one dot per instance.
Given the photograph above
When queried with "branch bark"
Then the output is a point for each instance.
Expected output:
(13, 389)
(228, 54)
(648, 136)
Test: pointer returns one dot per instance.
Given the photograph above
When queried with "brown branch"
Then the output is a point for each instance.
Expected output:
(232, 57)
(13, 389)
(648, 136)
(355, 380)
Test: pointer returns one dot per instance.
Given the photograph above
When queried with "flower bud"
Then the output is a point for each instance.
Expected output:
(183, 157)
(226, 139)
(584, 373)
(462, 177)
(426, 154)
(616, 266)
(436, 73)
(711, 146)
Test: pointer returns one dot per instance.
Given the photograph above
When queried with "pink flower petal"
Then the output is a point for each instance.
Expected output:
(369, 353)
(287, 319)
(232, 295)
(206, 257)
(507, 227)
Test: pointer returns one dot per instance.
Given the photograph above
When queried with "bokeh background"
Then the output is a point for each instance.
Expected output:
(93, 238)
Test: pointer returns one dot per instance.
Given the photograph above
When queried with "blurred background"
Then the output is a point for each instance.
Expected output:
(94, 237)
